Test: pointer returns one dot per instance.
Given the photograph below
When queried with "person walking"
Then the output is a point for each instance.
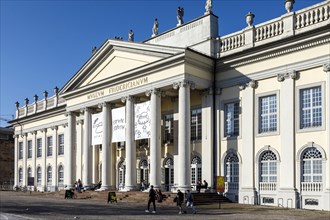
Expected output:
(152, 198)
(179, 201)
(190, 201)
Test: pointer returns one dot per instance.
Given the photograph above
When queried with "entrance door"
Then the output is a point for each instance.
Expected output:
(196, 171)
(169, 174)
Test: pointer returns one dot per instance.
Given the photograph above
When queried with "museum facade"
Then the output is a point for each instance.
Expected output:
(188, 105)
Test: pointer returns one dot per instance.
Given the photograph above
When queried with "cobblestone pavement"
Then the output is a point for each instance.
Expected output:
(17, 205)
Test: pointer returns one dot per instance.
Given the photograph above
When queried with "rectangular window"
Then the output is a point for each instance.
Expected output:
(61, 144)
(29, 149)
(267, 114)
(20, 150)
(39, 147)
(311, 107)
(196, 124)
(231, 119)
(49, 146)
(168, 128)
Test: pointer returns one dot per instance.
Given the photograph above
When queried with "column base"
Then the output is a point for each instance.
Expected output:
(184, 188)
(106, 188)
(129, 188)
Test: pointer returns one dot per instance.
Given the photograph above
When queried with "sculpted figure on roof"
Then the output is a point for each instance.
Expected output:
(208, 7)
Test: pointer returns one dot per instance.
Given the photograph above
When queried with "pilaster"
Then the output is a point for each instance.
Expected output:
(207, 136)
(44, 156)
(16, 161)
(25, 159)
(287, 187)
(326, 69)
(247, 190)
(55, 150)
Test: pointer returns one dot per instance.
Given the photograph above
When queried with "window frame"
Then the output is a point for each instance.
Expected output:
(170, 130)
(39, 141)
(60, 146)
(20, 150)
(29, 149)
(198, 126)
(258, 112)
(50, 146)
(223, 119)
(298, 107)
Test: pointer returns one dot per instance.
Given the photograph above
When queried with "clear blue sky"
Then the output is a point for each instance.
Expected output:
(45, 42)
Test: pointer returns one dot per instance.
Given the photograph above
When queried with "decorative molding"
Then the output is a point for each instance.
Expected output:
(282, 76)
(71, 113)
(206, 92)
(280, 53)
(184, 83)
(54, 127)
(105, 104)
(43, 130)
(326, 67)
(129, 98)
(155, 91)
(252, 83)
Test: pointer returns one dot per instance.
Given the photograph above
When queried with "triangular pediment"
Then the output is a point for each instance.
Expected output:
(114, 58)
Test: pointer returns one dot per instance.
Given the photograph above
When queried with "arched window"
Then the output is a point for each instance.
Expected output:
(49, 175)
(144, 171)
(268, 167)
(169, 173)
(39, 176)
(232, 168)
(196, 169)
(20, 176)
(60, 175)
(311, 165)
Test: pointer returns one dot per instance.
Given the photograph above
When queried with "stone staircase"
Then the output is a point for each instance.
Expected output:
(142, 197)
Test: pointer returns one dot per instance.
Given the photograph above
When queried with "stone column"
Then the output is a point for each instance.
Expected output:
(79, 148)
(16, 161)
(207, 136)
(69, 146)
(55, 150)
(326, 69)
(106, 146)
(87, 148)
(130, 149)
(44, 157)
(25, 159)
(155, 142)
(248, 192)
(287, 188)
(184, 157)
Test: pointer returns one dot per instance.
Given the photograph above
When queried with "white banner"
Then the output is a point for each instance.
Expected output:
(97, 129)
(142, 120)
(118, 124)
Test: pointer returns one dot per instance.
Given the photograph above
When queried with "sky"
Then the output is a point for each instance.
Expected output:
(45, 42)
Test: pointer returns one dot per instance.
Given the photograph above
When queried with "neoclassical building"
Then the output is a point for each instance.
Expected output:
(188, 105)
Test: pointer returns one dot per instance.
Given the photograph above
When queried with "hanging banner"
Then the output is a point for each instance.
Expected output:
(97, 129)
(118, 124)
(142, 120)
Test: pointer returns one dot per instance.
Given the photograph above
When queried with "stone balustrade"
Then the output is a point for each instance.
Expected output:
(287, 25)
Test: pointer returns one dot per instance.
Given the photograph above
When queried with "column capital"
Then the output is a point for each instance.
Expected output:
(105, 104)
(80, 121)
(54, 127)
(33, 132)
(43, 130)
(252, 83)
(326, 67)
(70, 113)
(24, 135)
(129, 98)
(15, 136)
(208, 91)
(86, 109)
(155, 91)
(184, 83)
(218, 91)
(282, 76)
(65, 125)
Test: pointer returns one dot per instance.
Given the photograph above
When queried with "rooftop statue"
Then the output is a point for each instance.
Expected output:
(155, 28)
(208, 7)
(131, 36)
(180, 16)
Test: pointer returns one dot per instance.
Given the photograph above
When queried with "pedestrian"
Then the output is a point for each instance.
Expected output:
(179, 201)
(190, 201)
(152, 198)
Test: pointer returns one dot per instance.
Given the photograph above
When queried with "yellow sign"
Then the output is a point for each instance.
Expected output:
(220, 184)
